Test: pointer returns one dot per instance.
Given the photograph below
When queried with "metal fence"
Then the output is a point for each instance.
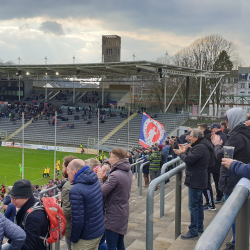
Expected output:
(150, 203)
(235, 207)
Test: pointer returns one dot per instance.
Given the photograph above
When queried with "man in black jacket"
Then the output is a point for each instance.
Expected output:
(36, 224)
(216, 169)
(196, 159)
(208, 192)
(239, 138)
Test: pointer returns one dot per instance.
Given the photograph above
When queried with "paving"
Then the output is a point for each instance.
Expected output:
(164, 228)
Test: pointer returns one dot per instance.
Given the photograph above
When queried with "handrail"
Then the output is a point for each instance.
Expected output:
(135, 165)
(140, 177)
(162, 188)
(150, 203)
(235, 206)
(44, 191)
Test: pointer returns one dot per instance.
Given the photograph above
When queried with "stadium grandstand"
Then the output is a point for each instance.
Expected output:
(93, 105)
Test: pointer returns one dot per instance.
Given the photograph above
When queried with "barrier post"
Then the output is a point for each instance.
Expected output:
(162, 185)
(178, 195)
(242, 228)
(140, 177)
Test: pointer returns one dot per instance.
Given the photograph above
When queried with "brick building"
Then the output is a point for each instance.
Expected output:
(111, 48)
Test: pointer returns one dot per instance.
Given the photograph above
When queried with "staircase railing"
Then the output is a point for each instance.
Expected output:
(235, 207)
(150, 203)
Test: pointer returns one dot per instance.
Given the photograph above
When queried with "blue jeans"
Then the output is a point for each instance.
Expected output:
(114, 240)
(234, 224)
(195, 205)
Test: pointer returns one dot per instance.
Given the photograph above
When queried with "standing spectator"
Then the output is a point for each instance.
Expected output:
(10, 211)
(36, 224)
(196, 159)
(216, 169)
(239, 138)
(65, 199)
(116, 192)
(13, 232)
(87, 220)
(223, 127)
(208, 192)
(155, 162)
(7, 199)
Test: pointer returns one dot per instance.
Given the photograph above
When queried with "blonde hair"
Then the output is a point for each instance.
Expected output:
(92, 162)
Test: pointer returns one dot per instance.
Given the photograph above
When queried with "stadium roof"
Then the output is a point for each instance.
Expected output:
(98, 70)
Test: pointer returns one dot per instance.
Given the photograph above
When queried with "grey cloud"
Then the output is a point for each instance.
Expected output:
(52, 27)
(180, 17)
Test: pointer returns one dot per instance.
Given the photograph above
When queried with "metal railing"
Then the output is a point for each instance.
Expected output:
(162, 185)
(45, 191)
(135, 166)
(235, 207)
(140, 177)
(150, 203)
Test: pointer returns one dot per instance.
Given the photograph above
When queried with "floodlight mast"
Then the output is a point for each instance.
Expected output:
(55, 148)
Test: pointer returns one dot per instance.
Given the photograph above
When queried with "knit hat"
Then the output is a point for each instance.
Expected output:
(22, 189)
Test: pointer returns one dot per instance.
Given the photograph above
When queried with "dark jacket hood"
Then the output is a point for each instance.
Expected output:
(85, 176)
(122, 165)
(235, 117)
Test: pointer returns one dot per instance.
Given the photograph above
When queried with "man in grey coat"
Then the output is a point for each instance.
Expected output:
(116, 192)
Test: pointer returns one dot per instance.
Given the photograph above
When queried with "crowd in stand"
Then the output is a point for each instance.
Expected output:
(202, 150)
(94, 199)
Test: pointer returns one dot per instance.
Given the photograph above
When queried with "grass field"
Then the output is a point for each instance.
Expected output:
(34, 162)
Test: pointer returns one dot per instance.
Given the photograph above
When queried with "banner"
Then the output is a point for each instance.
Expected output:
(112, 104)
(152, 132)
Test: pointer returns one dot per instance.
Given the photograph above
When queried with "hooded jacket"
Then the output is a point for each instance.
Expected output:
(87, 220)
(197, 160)
(238, 137)
(116, 193)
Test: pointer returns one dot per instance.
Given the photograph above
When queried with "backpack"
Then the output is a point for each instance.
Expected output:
(56, 219)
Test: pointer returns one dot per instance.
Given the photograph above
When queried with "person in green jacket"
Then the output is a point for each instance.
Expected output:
(155, 162)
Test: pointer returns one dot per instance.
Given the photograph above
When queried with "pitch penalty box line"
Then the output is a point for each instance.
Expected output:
(16, 166)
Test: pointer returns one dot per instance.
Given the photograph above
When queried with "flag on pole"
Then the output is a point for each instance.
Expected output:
(152, 132)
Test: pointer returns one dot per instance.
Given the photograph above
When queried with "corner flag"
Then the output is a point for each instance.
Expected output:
(152, 132)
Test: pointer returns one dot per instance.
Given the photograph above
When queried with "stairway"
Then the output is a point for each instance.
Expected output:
(164, 228)
(19, 130)
(115, 130)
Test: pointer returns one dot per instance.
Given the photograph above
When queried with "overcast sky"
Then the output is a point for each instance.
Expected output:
(148, 28)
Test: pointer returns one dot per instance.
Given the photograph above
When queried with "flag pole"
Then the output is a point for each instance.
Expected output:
(55, 148)
(23, 146)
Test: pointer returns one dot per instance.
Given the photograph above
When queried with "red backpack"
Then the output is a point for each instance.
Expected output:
(56, 218)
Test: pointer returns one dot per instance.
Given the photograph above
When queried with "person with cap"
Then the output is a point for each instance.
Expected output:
(36, 223)
(216, 169)
(14, 233)
(239, 138)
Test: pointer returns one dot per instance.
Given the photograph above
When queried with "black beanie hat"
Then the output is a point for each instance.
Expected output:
(22, 189)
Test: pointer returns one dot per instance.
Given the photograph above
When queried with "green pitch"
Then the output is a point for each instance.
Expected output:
(34, 162)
